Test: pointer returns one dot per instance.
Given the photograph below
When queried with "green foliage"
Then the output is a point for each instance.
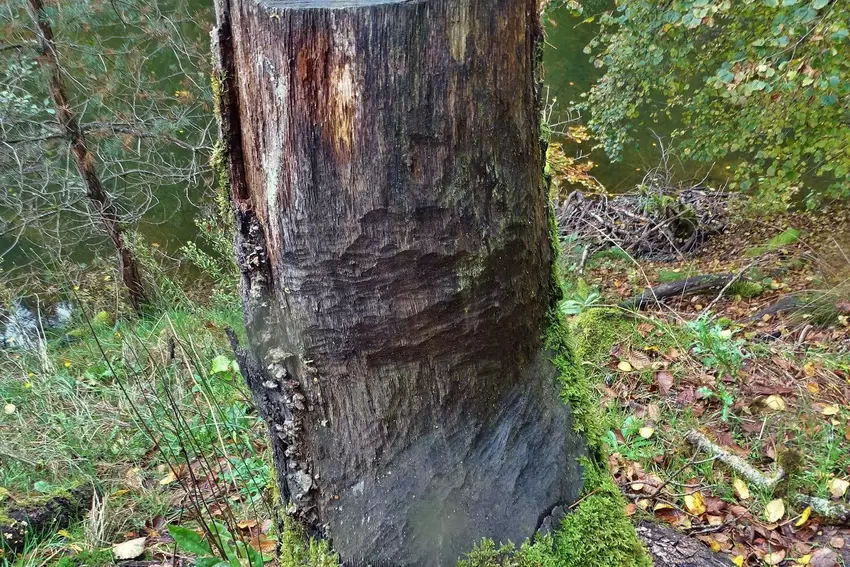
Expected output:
(583, 298)
(716, 347)
(767, 80)
(232, 552)
(788, 237)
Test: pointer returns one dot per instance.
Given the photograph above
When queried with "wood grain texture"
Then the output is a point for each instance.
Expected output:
(393, 236)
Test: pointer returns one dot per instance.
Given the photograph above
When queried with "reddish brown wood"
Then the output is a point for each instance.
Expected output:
(386, 171)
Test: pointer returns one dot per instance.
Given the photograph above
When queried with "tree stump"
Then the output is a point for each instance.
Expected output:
(393, 235)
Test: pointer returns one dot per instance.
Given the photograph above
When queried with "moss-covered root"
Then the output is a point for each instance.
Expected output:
(599, 533)
(21, 521)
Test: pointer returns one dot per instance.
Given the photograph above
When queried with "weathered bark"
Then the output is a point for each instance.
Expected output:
(20, 522)
(670, 548)
(393, 235)
(104, 210)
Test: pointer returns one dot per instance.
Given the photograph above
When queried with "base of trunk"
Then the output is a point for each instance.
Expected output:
(497, 477)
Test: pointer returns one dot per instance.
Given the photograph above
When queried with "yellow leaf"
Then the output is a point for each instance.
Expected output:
(75, 547)
(624, 366)
(774, 402)
(813, 387)
(805, 559)
(64, 533)
(838, 487)
(646, 432)
(695, 504)
(804, 517)
(741, 489)
(715, 546)
(775, 558)
(168, 479)
(830, 409)
(738, 560)
(809, 369)
(775, 510)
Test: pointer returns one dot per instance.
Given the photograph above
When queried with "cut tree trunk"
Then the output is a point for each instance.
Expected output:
(104, 210)
(393, 235)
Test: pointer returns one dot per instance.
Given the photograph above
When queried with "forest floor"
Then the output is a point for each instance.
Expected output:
(773, 391)
(153, 414)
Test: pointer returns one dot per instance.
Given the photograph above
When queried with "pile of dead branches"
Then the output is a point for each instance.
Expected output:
(653, 223)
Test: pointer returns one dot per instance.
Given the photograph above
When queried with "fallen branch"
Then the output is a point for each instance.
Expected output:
(662, 222)
(736, 463)
(681, 288)
(670, 548)
(788, 304)
(834, 513)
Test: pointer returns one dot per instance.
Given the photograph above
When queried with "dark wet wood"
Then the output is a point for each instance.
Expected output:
(682, 288)
(21, 522)
(393, 235)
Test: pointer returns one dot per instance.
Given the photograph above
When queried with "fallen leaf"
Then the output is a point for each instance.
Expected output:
(741, 489)
(168, 479)
(129, 549)
(813, 387)
(804, 559)
(624, 366)
(804, 517)
(836, 542)
(774, 558)
(738, 560)
(695, 504)
(775, 510)
(838, 487)
(774, 402)
(646, 432)
(809, 369)
(824, 557)
(665, 381)
(64, 533)
(631, 508)
(639, 361)
(245, 524)
(830, 409)
(133, 478)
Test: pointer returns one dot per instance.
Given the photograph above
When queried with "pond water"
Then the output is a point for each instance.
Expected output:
(568, 73)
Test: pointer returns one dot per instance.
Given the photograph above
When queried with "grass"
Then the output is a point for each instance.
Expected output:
(121, 406)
